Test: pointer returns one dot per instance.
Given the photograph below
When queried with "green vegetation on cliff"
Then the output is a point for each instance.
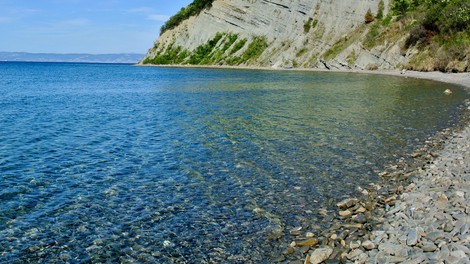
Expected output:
(440, 30)
(192, 9)
(223, 48)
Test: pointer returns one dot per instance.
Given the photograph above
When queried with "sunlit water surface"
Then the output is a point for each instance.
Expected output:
(116, 163)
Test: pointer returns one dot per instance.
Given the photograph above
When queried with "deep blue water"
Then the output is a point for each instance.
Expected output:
(116, 163)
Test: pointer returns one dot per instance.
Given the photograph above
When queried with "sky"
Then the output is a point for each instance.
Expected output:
(83, 26)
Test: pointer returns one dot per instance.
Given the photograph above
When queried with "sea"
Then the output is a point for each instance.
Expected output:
(115, 163)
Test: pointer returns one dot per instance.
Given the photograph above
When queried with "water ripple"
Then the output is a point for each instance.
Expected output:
(114, 163)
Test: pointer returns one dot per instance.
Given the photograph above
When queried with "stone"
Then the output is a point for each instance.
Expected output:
(458, 254)
(460, 194)
(463, 229)
(167, 243)
(448, 227)
(311, 242)
(347, 203)
(463, 248)
(345, 213)
(389, 248)
(435, 235)
(296, 231)
(289, 251)
(417, 259)
(359, 218)
(368, 245)
(354, 244)
(361, 210)
(354, 253)
(448, 92)
(361, 259)
(428, 247)
(320, 254)
(412, 237)
(309, 235)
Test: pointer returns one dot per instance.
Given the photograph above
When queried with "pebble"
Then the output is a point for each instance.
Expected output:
(412, 237)
(347, 203)
(320, 254)
(345, 213)
(429, 247)
(368, 245)
(463, 229)
(311, 242)
(354, 244)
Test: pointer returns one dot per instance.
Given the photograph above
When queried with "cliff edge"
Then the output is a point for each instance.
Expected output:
(348, 34)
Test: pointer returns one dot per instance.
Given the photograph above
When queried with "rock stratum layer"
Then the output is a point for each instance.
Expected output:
(284, 33)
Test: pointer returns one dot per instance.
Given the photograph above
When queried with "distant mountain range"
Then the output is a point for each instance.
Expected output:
(73, 57)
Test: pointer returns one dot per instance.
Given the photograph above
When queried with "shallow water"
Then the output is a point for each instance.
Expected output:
(109, 163)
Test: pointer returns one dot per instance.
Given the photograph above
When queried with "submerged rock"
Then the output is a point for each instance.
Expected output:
(320, 255)
(347, 203)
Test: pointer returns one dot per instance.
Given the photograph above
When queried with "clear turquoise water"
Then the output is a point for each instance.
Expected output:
(115, 163)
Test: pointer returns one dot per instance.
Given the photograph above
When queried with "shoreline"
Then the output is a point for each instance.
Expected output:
(418, 211)
(460, 79)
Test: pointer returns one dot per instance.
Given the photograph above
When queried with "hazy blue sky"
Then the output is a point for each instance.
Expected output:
(83, 26)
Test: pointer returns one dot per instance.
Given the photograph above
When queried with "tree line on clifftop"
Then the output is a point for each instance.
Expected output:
(192, 9)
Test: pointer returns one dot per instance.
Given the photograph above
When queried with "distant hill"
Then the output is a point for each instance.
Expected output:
(74, 57)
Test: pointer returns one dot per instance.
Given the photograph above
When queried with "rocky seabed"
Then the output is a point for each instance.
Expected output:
(416, 214)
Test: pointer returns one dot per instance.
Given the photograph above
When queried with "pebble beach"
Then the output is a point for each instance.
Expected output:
(417, 213)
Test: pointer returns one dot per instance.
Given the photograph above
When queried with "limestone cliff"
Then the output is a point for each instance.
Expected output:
(283, 33)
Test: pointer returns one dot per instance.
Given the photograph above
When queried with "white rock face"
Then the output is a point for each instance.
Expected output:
(282, 22)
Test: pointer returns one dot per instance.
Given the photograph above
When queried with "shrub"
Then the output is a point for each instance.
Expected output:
(308, 25)
(255, 48)
(417, 35)
(238, 46)
(369, 17)
(171, 55)
(201, 54)
(192, 9)
(380, 12)
(401, 7)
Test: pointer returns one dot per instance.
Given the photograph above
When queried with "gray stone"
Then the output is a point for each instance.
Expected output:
(444, 252)
(360, 218)
(354, 254)
(389, 248)
(434, 236)
(320, 255)
(458, 254)
(362, 258)
(463, 229)
(429, 247)
(448, 227)
(354, 244)
(417, 259)
(463, 248)
(412, 237)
